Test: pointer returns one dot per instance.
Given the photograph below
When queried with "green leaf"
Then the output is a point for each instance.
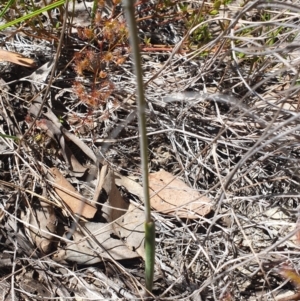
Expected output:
(214, 12)
(8, 136)
(33, 14)
(8, 5)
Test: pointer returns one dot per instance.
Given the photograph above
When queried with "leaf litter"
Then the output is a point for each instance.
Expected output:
(16, 58)
(232, 141)
(172, 196)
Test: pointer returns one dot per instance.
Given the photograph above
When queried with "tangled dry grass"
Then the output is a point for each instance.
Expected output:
(223, 115)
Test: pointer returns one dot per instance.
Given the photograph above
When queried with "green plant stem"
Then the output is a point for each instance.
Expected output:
(149, 223)
(150, 254)
(134, 42)
(94, 9)
(33, 14)
(9, 137)
(7, 6)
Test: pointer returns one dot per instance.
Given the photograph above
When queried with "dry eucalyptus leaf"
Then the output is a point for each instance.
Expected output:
(127, 220)
(115, 206)
(54, 129)
(5, 289)
(176, 198)
(16, 58)
(181, 195)
(131, 185)
(83, 250)
(62, 134)
(71, 196)
(44, 224)
(130, 228)
(32, 285)
(6, 260)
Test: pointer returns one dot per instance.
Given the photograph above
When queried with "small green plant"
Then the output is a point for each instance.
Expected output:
(29, 15)
(202, 34)
(217, 5)
(274, 35)
(147, 41)
(192, 18)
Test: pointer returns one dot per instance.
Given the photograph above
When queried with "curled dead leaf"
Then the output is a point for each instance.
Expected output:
(121, 238)
(71, 196)
(115, 206)
(56, 131)
(127, 220)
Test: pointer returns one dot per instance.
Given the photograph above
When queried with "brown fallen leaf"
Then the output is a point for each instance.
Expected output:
(177, 198)
(131, 185)
(29, 283)
(16, 58)
(43, 224)
(121, 238)
(127, 220)
(172, 196)
(54, 129)
(46, 220)
(71, 196)
(84, 250)
(131, 229)
(115, 206)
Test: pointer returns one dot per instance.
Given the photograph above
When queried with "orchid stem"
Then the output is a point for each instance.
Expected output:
(149, 223)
